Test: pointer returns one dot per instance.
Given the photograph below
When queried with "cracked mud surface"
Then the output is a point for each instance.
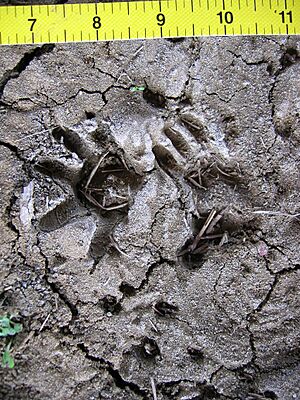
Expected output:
(102, 192)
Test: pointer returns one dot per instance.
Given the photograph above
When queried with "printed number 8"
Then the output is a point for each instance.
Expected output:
(96, 22)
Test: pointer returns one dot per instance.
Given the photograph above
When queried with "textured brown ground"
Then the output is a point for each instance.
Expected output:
(90, 285)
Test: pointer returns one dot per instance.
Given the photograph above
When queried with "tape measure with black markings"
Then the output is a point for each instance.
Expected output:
(84, 22)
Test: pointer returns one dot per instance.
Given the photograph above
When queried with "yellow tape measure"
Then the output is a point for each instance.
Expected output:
(146, 20)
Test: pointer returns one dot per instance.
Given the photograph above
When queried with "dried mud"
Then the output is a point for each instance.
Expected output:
(98, 265)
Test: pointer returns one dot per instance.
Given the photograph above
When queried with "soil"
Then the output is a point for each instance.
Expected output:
(104, 192)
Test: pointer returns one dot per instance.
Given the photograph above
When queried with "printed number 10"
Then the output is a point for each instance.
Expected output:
(227, 17)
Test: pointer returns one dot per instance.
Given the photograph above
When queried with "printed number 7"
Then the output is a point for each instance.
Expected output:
(33, 20)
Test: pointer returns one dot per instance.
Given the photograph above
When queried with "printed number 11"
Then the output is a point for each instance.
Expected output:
(284, 14)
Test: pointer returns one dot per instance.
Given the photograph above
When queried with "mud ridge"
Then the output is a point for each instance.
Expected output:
(114, 373)
(23, 64)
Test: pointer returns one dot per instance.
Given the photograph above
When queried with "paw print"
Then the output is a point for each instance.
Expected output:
(98, 178)
(186, 150)
(186, 146)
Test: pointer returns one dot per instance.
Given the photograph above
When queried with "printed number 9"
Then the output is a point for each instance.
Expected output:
(161, 19)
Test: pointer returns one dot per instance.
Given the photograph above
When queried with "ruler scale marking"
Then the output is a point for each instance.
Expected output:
(31, 24)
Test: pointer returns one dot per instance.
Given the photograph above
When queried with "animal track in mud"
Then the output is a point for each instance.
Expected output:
(189, 153)
(186, 152)
(102, 182)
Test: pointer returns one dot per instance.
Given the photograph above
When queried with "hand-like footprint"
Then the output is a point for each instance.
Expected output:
(185, 149)
(100, 180)
(188, 148)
